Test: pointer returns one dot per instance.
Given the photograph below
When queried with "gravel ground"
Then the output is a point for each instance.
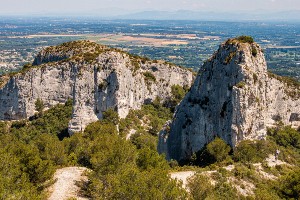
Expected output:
(182, 176)
(65, 186)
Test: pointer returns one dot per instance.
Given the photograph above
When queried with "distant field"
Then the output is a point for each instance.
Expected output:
(157, 40)
(185, 43)
(113, 39)
(147, 41)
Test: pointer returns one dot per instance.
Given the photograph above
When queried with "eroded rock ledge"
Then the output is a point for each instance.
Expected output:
(94, 76)
(233, 97)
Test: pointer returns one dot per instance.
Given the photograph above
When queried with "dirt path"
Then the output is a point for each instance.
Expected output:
(65, 186)
(182, 176)
(273, 162)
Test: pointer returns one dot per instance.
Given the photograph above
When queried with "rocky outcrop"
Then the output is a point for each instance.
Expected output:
(66, 51)
(233, 97)
(95, 77)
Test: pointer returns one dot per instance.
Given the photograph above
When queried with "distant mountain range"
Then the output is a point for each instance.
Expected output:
(118, 13)
(210, 15)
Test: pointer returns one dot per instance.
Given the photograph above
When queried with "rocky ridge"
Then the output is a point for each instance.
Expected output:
(94, 76)
(233, 97)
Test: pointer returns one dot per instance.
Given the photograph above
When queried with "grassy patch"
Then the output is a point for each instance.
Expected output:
(241, 84)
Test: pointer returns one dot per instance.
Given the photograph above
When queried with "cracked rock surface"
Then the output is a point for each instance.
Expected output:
(94, 76)
(233, 97)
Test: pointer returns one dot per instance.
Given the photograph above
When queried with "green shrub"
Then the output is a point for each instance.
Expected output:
(218, 149)
(253, 151)
(254, 51)
(99, 127)
(173, 163)
(89, 57)
(26, 67)
(109, 152)
(223, 191)
(242, 172)
(149, 77)
(215, 151)
(245, 39)
(14, 182)
(39, 105)
(255, 77)
(111, 116)
(51, 149)
(144, 141)
(135, 64)
(286, 136)
(149, 159)
(290, 185)
(4, 128)
(266, 194)
(18, 124)
(178, 92)
(241, 84)
(200, 186)
(130, 183)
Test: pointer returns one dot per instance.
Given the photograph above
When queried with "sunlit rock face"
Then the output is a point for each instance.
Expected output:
(94, 76)
(233, 97)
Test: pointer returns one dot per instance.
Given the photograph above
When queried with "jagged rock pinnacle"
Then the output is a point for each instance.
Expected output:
(233, 97)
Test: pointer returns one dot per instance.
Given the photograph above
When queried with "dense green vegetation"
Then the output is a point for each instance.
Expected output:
(253, 152)
(178, 93)
(121, 169)
(153, 115)
(132, 169)
(202, 188)
(217, 154)
(31, 151)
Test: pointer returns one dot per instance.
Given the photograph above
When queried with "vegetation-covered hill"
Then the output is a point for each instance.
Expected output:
(121, 169)
(132, 169)
(124, 162)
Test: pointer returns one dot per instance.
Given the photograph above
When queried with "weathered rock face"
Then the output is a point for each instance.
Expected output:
(233, 97)
(18, 96)
(97, 78)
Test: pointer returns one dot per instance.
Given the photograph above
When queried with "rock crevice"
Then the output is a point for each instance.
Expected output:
(95, 77)
(233, 97)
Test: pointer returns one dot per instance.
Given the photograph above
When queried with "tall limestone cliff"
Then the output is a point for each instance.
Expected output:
(233, 97)
(94, 76)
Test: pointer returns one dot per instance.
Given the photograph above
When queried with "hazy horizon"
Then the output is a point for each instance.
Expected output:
(121, 7)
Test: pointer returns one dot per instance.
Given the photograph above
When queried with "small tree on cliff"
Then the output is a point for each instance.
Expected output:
(39, 105)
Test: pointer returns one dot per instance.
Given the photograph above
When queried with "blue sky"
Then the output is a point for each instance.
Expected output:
(94, 6)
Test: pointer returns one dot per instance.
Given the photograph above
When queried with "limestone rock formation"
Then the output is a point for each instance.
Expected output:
(94, 76)
(233, 97)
